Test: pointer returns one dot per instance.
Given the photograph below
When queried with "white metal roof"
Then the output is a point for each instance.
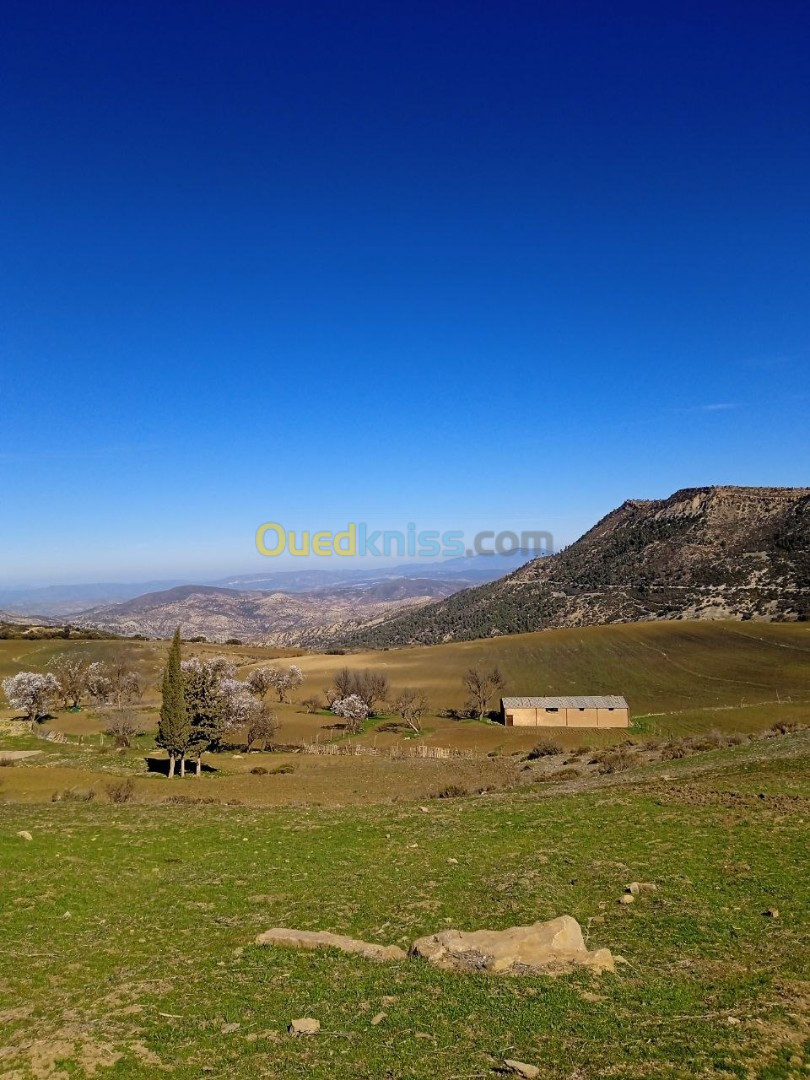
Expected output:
(607, 701)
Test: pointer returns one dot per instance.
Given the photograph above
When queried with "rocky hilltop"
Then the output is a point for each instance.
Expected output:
(702, 553)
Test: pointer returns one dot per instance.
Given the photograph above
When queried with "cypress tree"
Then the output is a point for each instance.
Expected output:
(174, 728)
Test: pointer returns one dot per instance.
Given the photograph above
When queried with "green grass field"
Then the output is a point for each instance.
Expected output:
(127, 931)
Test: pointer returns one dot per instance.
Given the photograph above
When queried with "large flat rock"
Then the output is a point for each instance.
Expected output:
(552, 947)
(323, 939)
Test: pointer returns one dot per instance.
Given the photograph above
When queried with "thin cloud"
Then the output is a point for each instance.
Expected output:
(718, 406)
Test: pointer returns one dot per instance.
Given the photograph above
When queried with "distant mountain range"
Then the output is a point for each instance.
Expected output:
(310, 607)
(703, 553)
(61, 601)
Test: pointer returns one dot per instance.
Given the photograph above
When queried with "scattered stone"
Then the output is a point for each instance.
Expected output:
(552, 947)
(627, 898)
(424, 809)
(520, 1068)
(771, 913)
(633, 888)
(378, 1019)
(733, 1021)
(323, 939)
(229, 1029)
(389, 999)
(636, 887)
(24, 834)
(453, 862)
(305, 1026)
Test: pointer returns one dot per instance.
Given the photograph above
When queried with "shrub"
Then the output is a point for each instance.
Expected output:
(74, 795)
(282, 770)
(674, 750)
(7, 762)
(452, 791)
(579, 751)
(786, 727)
(618, 760)
(122, 791)
(545, 748)
(711, 740)
(258, 770)
(565, 774)
(189, 800)
(653, 744)
(312, 704)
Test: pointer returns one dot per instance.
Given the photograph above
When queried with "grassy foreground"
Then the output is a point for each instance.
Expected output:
(127, 931)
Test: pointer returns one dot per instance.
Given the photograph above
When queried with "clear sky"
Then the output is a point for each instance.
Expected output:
(468, 265)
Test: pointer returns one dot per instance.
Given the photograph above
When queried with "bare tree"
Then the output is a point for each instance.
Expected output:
(481, 686)
(371, 686)
(343, 683)
(312, 704)
(411, 706)
(122, 725)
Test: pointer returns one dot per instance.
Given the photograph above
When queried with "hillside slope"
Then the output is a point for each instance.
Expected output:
(702, 553)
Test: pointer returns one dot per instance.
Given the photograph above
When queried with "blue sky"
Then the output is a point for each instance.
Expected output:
(471, 266)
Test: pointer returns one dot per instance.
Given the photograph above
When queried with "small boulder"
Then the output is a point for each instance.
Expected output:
(520, 1068)
(24, 834)
(627, 898)
(305, 1026)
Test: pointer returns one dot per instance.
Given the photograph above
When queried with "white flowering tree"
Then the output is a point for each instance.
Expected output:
(285, 681)
(353, 710)
(221, 667)
(70, 671)
(260, 680)
(31, 692)
(236, 702)
(99, 684)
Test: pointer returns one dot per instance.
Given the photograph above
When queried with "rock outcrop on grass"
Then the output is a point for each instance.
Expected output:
(322, 939)
(553, 948)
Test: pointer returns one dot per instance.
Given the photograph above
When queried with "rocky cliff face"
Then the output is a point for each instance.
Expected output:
(703, 553)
